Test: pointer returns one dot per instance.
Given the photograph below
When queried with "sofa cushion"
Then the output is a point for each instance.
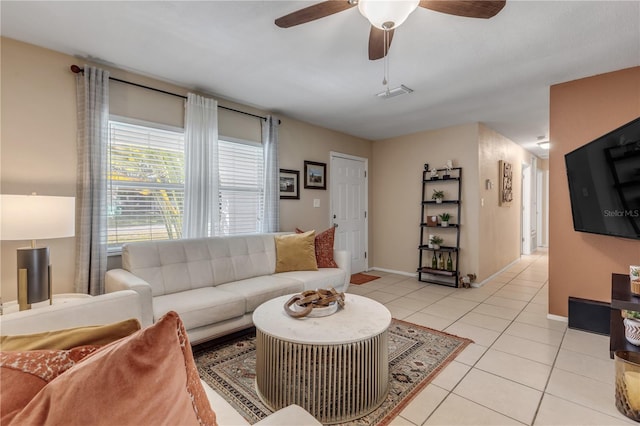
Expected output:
(296, 252)
(24, 374)
(70, 337)
(146, 378)
(322, 278)
(324, 247)
(242, 256)
(202, 306)
(178, 265)
(258, 290)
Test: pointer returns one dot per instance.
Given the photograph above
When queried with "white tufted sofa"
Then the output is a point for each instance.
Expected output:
(214, 284)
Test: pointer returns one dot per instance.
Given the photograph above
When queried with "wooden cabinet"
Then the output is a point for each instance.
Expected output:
(621, 298)
(449, 181)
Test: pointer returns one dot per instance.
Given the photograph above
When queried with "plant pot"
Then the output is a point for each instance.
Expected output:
(435, 246)
(444, 223)
(438, 200)
(632, 331)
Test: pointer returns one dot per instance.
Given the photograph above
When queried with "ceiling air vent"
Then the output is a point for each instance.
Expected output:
(392, 93)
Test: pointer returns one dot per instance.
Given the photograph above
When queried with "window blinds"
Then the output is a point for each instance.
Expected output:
(145, 193)
(241, 186)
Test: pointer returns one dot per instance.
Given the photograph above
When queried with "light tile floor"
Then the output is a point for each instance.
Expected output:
(522, 369)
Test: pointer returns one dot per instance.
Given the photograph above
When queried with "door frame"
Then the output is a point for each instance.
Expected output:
(332, 156)
(525, 210)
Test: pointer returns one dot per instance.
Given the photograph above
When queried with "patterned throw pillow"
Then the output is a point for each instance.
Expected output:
(24, 374)
(149, 377)
(324, 248)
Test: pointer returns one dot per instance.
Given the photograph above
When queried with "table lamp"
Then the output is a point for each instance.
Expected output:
(32, 217)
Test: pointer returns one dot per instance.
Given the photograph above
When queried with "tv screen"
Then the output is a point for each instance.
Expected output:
(604, 183)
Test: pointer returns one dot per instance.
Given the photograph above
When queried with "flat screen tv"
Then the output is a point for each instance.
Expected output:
(604, 183)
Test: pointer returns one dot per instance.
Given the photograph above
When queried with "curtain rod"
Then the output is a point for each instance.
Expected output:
(76, 70)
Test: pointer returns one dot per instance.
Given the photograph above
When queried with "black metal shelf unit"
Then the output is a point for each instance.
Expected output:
(437, 272)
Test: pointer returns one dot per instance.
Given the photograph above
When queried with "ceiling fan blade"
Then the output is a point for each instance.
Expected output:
(376, 43)
(468, 8)
(311, 13)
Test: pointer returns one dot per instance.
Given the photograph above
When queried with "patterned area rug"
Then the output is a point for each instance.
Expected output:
(361, 278)
(416, 356)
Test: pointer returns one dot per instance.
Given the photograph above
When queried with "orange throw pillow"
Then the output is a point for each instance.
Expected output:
(148, 377)
(24, 374)
(324, 248)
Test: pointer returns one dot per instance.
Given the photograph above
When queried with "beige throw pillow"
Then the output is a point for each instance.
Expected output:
(296, 252)
(70, 337)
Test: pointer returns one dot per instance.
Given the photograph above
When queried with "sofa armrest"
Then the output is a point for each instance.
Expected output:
(97, 310)
(292, 415)
(119, 279)
(343, 259)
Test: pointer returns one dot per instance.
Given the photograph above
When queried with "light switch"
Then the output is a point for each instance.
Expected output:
(316, 202)
(481, 202)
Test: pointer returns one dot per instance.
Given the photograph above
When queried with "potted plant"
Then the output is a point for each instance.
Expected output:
(435, 242)
(444, 219)
(438, 196)
(631, 326)
(634, 276)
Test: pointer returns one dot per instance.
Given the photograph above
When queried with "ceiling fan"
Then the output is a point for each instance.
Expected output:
(386, 16)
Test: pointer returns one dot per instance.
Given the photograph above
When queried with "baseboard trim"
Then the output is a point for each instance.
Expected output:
(557, 318)
(492, 276)
(393, 271)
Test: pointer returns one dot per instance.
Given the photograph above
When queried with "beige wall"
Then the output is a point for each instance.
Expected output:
(581, 264)
(490, 234)
(499, 226)
(38, 144)
(301, 141)
(396, 175)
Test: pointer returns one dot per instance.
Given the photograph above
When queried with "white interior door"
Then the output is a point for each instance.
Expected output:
(539, 206)
(526, 209)
(348, 185)
(533, 205)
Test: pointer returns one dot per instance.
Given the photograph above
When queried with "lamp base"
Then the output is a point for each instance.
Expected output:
(34, 277)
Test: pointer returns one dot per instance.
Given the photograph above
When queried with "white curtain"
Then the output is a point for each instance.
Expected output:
(271, 206)
(201, 168)
(91, 192)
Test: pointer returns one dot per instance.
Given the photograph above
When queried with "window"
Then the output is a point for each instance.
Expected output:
(241, 186)
(145, 192)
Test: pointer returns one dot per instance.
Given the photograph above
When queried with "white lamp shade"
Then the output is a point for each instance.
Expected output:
(379, 12)
(36, 217)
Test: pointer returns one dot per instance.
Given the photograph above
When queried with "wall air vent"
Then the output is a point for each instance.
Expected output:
(392, 93)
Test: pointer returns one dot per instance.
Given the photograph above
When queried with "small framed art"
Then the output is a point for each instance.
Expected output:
(289, 184)
(315, 175)
(506, 183)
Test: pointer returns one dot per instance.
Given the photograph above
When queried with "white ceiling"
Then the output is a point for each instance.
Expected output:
(496, 71)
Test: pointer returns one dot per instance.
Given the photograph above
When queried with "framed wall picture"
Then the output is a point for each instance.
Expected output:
(315, 175)
(289, 184)
(506, 183)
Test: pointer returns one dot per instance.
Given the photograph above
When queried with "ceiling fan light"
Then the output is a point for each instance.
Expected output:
(387, 14)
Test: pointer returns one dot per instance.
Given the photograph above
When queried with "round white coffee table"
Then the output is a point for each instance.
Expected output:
(336, 367)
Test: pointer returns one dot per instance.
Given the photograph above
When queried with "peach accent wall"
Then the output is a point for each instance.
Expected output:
(38, 144)
(581, 264)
